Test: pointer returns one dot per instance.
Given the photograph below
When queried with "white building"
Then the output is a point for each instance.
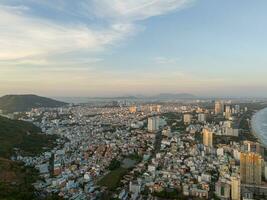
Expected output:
(135, 187)
(153, 124)
(228, 112)
(202, 117)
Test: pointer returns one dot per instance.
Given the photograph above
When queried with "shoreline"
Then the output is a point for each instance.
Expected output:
(257, 126)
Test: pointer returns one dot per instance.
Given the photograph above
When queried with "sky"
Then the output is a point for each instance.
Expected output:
(130, 47)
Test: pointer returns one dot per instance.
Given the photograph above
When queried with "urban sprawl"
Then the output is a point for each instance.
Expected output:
(128, 150)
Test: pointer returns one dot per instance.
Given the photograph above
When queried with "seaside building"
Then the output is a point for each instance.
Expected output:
(250, 146)
(250, 168)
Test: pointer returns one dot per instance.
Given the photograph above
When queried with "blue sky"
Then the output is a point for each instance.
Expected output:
(122, 47)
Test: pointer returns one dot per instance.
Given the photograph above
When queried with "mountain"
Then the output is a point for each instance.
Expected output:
(159, 96)
(21, 103)
(139, 97)
(175, 96)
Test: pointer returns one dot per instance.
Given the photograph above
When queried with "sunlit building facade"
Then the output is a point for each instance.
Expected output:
(250, 168)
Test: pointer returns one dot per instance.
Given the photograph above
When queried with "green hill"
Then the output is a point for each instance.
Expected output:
(21, 103)
(22, 135)
(16, 179)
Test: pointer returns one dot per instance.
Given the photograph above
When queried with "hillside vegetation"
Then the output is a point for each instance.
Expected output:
(15, 179)
(22, 135)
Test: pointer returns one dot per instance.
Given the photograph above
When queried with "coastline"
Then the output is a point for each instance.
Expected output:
(259, 126)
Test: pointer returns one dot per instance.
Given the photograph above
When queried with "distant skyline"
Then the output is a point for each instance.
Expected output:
(133, 47)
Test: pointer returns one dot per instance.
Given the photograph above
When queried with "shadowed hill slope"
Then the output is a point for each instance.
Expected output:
(21, 103)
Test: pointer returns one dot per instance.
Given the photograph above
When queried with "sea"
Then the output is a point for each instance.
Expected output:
(259, 125)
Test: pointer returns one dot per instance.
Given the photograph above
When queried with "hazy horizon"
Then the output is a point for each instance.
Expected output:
(141, 96)
(105, 48)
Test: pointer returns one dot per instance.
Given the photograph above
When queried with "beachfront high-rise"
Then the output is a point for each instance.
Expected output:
(250, 168)
(250, 146)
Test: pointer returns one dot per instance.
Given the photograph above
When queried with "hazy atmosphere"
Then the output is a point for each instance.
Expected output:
(133, 100)
(112, 47)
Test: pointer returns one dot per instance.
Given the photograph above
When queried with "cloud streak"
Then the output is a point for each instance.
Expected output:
(165, 61)
(25, 37)
(134, 10)
(21, 36)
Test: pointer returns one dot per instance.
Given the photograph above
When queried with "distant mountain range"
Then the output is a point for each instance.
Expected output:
(174, 96)
(21, 103)
(159, 96)
(162, 96)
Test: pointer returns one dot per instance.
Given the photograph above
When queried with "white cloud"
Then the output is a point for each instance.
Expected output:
(43, 61)
(24, 37)
(133, 10)
(21, 36)
(165, 60)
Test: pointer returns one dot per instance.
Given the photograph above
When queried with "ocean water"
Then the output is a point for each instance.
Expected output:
(259, 125)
